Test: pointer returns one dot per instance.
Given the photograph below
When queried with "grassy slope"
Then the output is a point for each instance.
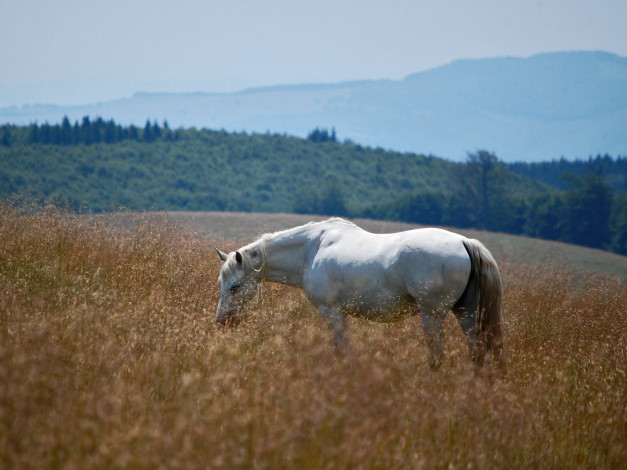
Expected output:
(245, 227)
(109, 359)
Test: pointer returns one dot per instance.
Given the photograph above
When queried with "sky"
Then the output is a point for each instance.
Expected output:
(84, 51)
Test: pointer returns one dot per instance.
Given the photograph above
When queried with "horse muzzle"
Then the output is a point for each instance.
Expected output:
(226, 317)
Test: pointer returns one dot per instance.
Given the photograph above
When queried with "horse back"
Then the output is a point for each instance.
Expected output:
(421, 263)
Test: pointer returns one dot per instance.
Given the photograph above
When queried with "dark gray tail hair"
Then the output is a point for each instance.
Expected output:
(488, 298)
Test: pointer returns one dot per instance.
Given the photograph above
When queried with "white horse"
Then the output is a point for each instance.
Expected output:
(346, 270)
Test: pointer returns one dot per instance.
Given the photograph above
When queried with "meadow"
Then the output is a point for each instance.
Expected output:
(109, 358)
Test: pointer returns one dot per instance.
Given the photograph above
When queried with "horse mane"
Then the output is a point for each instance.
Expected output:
(260, 246)
(332, 220)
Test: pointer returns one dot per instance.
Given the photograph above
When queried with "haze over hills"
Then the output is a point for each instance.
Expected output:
(570, 104)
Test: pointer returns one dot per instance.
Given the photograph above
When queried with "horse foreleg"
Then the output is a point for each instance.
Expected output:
(433, 325)
(336, 321)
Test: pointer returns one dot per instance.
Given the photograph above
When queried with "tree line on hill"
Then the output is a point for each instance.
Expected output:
(100, 165)
(560, 173)
(88, 132)
(587, 212)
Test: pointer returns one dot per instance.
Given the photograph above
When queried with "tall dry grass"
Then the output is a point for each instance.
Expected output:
(109, 358)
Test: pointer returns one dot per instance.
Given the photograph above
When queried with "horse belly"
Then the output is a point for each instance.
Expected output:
(379, 304)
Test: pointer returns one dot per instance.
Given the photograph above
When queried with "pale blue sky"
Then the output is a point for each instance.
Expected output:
(84, 51)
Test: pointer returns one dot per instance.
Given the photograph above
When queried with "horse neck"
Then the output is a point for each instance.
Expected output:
(285, 256)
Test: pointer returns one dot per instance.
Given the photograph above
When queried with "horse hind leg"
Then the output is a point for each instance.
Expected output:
(467, 319)
(465, 311)
(433, 325)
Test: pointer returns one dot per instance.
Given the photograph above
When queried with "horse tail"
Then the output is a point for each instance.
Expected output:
(485, 292)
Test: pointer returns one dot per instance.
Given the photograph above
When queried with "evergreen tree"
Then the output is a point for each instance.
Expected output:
(87, 134)
(55, 135)
(110, 132)
(98, 130)
(133, 132)
(322, 135)
(66, 131)
(148, 134)
(6, 137)
(44, 134)
(76, 133)
(33, 134)
(156, 131)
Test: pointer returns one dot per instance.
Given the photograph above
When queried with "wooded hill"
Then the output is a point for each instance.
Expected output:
(99, 165)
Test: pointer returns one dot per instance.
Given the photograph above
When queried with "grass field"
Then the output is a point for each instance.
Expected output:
(109, 358)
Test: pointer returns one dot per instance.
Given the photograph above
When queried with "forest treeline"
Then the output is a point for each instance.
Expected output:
(100, 165)
(587, 212)
(86, 133)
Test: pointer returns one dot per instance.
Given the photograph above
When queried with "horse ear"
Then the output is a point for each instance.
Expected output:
(238, 257)
(222, 255)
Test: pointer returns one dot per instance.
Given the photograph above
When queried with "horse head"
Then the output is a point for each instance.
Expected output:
(238, 284)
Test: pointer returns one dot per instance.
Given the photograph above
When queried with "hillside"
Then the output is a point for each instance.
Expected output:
(208, 170)
(541, 108)
(211, 170)
(101, 166)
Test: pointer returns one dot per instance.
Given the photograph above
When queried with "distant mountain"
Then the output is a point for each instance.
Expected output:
(571, 104)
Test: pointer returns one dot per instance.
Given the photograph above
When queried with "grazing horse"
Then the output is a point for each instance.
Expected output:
(345, 270)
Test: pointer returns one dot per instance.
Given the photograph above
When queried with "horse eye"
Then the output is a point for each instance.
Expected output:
(234, 288)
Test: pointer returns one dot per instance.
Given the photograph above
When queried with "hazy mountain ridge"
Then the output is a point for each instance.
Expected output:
(541, 108)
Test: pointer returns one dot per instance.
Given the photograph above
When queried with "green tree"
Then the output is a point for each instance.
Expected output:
(98, 129)
(460, 211)
(508, 214)
(148, 132)
(328, 200)
(322, 135)
(33, 134)
(156, 130)
(586, 215)
(110, 132)
(480, 190)
(618, 224)
(133, 132)
(66, 131)
(543, 217)
(45, 134)
(425, 207)
(6, 137)
(306, 201)
(332, 200)
(87, 133)
(76, 133)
